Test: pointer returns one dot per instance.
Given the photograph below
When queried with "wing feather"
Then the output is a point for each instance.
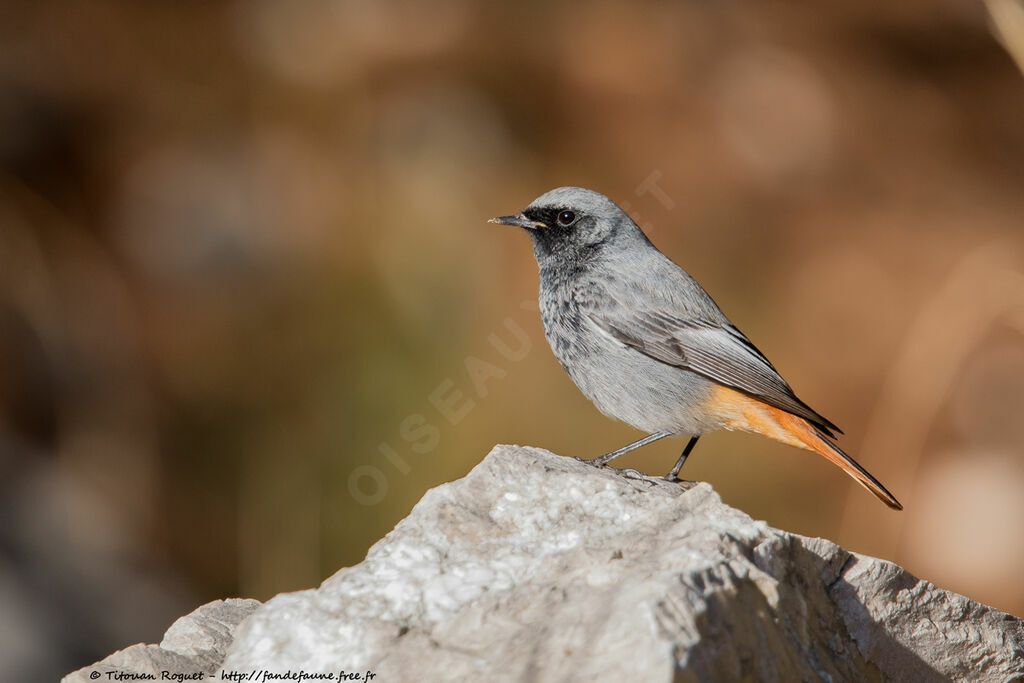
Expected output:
(714, 349)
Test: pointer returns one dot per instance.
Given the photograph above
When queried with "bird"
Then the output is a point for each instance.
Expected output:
(649, 346)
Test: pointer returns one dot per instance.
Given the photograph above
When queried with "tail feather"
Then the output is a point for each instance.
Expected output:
(748, 414)
(822, 446)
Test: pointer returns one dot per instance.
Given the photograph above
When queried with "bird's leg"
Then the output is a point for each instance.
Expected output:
(674, 474)
(608, 457)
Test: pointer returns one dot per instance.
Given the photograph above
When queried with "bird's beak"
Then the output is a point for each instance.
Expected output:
(518, 220)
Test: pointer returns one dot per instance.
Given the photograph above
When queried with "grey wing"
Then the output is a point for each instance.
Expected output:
(715, 350)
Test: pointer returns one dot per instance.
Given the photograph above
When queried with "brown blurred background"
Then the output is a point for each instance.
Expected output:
(245, 275)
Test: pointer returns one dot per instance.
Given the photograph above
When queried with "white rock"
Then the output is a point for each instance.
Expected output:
(536, 567)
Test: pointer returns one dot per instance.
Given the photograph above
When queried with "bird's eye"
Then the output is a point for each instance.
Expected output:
(566, 218)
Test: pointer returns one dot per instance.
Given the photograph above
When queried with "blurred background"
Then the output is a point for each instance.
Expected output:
(250, 309)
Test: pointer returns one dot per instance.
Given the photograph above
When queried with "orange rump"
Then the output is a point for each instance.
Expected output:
(744, 413)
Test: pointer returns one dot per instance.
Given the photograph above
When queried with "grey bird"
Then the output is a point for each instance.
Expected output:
(648, 346)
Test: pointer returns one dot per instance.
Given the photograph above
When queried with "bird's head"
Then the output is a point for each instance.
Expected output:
(573, 223)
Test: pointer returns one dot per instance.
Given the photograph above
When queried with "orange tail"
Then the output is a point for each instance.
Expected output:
(750, 415)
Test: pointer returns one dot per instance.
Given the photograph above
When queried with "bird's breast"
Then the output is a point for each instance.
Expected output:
(564, 325)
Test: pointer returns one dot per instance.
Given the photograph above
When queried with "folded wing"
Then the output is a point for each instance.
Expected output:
(713, 349)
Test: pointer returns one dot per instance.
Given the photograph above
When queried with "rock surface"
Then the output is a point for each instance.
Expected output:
(195, 643)
(538, 567)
